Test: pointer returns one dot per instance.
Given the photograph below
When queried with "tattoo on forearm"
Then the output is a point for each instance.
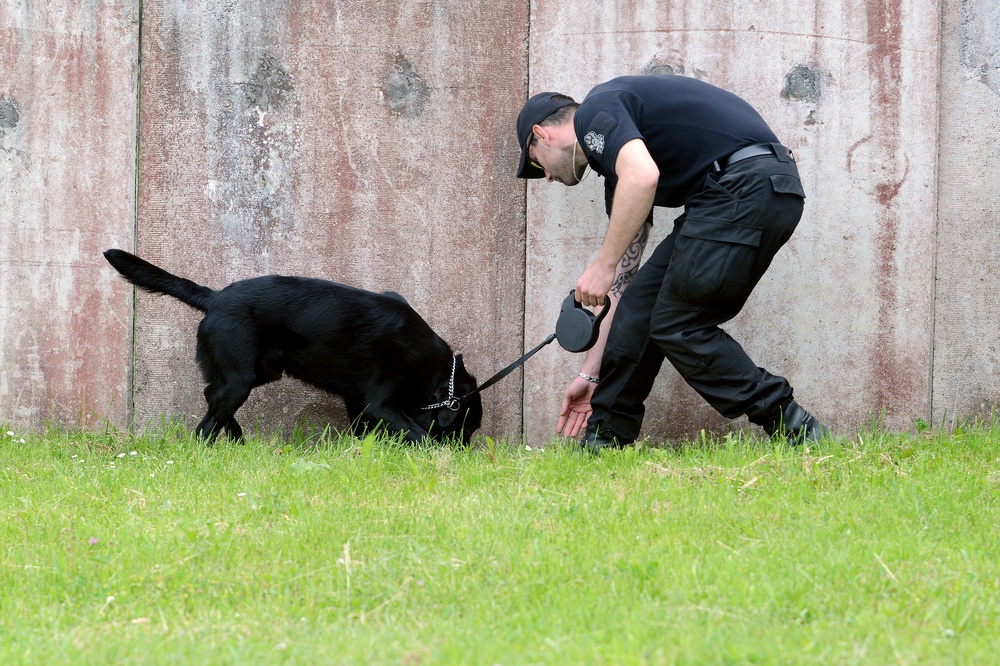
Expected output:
(620, 283)
(630, 262)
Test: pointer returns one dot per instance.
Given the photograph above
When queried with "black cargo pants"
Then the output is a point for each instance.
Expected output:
(697, 278)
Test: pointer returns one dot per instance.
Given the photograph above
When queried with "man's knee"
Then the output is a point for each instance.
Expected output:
(688, 335)
(674, 342)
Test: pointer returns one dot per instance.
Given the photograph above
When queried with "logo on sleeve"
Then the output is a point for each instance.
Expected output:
(595, 142)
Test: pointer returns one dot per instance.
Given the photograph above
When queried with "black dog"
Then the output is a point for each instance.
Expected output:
(372, 349)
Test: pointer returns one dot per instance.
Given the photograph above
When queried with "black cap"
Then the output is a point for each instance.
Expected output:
(535, 110)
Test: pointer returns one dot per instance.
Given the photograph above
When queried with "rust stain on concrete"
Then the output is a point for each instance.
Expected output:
(894, 382)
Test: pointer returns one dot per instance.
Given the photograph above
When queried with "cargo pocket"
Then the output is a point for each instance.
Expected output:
(786, 184)
(713, 262)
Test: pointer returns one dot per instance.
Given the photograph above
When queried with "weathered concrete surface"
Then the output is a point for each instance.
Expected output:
(966, 333)
(373, 144)
(365, 143)
(67, 156)
(845, 311)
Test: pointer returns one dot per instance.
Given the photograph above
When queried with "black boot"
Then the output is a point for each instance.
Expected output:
(594, 440)
(797, 425)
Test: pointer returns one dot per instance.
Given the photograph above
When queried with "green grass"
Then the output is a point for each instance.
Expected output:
(324, 550)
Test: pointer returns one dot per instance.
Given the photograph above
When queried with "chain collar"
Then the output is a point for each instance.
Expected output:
(451, 402)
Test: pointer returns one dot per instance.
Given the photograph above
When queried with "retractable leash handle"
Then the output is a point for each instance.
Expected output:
(577, 329)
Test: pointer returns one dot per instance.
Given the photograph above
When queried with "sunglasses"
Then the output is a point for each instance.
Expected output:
(527, 146)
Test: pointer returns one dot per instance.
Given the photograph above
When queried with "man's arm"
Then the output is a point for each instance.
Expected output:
(624, 273)
(634, 193)
(576, 400)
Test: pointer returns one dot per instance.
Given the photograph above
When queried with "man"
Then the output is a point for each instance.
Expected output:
(671, 141)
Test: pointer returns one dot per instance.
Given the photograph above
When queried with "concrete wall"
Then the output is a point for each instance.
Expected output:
(360, 142)
(67, 183)
(372, 143)
(966, 339)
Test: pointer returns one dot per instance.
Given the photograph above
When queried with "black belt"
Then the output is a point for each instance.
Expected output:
(755, 150)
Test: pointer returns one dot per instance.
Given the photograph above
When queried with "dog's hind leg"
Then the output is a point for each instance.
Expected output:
(233, 429)
(223, 401)
(226, 352)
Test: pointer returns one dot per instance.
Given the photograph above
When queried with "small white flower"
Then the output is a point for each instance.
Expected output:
(527, 448)
(121, 455)
(241, 494)
(170, 462)
(133, 453)
(10, 433)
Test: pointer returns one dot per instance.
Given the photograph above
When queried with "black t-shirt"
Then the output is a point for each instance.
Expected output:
(686, 124)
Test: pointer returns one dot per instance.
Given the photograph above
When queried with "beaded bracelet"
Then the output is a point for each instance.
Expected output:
(592, 380)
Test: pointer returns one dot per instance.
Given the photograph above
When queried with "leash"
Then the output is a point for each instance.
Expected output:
(577, 330)
(509, 369)
(454, 403)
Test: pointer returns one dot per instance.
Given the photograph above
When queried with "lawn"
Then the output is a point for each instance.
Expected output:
(322, 549)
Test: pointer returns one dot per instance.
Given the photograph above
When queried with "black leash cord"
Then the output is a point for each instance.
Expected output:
(510, 368)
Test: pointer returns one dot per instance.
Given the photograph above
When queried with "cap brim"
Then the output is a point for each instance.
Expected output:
(526, 169)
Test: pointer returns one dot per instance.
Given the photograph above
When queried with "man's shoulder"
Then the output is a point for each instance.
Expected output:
(616, 97)
(612, 90)
(606, 120)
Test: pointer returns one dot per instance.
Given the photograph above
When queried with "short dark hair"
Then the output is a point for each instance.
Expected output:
(557, 117)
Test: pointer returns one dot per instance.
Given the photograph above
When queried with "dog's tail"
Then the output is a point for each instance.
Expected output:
(151, 278)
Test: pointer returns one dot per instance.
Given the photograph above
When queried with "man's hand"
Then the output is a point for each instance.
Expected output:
(594, 285)
(575, 407)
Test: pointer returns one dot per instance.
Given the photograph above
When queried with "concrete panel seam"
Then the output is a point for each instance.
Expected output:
(936, 179)
(524, 230)
(130, 409)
